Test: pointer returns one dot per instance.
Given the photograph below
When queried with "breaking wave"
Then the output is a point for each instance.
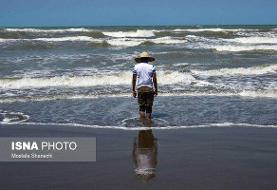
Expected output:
(233, 45)
(211, 30)
(245, 94)
(236, 48)
(122, 78)
(122, 42)
(219, 39)
(261, 70)
(138, 33)
(127, 42)
(254, 40)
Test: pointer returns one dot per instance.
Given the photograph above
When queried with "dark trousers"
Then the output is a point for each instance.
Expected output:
(145, 100)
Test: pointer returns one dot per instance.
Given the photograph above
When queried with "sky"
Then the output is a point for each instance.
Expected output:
(136, 12)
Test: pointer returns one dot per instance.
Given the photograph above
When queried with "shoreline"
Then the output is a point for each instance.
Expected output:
(207, 158)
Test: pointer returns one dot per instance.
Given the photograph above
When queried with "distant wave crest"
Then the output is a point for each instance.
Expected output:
(218, 39)
(138, 33)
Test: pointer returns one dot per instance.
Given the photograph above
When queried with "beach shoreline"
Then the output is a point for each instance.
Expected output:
(206, 158)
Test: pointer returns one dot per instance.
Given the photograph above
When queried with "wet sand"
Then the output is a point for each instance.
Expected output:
(194, 159)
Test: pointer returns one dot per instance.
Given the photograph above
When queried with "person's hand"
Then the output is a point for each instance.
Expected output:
(155, 93)
(134, 94)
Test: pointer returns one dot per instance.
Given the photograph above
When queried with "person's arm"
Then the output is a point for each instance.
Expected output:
(134, 80)
(155, 84)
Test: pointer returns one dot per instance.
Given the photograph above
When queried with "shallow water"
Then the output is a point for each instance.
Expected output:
(169, 112)
(207, 75)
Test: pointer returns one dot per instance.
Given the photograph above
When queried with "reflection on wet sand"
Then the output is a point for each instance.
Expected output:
(145, 155)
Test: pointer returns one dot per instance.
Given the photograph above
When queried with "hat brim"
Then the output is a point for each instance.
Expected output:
(150, 59)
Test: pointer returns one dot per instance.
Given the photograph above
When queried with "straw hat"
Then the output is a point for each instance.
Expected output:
(144, 55)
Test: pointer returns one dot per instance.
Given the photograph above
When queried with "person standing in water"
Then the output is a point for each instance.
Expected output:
(144, 84)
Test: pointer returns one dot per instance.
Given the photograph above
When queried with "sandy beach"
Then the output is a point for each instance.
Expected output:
(195, 159)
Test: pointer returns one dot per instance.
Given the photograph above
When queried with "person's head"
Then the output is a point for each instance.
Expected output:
(144, 57)
(144, 60)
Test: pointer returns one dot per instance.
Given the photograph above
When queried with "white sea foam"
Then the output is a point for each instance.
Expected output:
(73, 38)
(123, 42)
(243, 40)
(224, 46)
(261, 70)
(219, 125)
(13, 117)
(168, 40)
(236, 48)
(135, 33)
(258, 94)
(245, 94)
(213, 30)
(254, 40)
(122, 78)
(232, 45)
(181, 64)
(138, 33)
(130, 42)
(8, 40)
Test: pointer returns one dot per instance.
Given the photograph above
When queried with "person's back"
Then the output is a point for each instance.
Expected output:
(144, 72)
(145, 83)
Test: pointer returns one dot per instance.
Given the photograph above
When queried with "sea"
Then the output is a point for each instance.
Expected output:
(208, 76)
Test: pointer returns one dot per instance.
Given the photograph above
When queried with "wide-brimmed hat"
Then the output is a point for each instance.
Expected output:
(144, 55)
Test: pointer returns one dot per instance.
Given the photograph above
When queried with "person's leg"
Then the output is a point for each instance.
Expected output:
(141, 103)
(148, 105)
(142, 112)
(148, 114)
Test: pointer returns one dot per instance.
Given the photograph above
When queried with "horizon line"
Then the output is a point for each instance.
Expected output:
(183, 25)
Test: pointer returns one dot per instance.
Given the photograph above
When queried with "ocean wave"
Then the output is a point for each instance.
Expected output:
(37, 30)
(236, 48)
(138, 33)
(124, 42)
(244, 94)
(130, 42)
(254, 40)
(232, 48)
(119, 34)
(122, 78)
(60, 39)
(233, 45)
(73, 38)
(213, 30)
(141, 37)
(132, 32)
(261, 70)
